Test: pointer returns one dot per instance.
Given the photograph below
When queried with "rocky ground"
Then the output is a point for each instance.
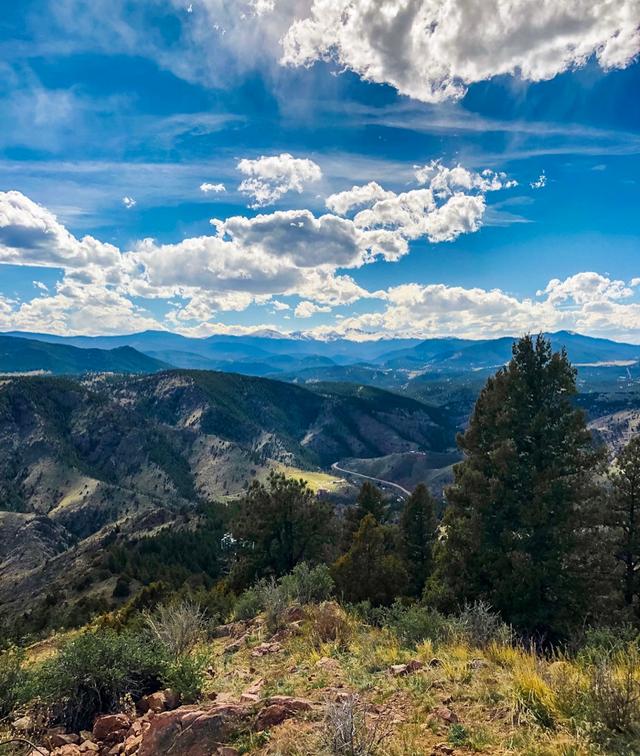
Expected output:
(326, 683)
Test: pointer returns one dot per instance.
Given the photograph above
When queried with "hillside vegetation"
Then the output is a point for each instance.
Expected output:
(505, 619)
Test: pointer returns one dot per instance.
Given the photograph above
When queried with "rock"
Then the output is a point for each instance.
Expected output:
(442, 748)
(435, 662)
(230, 630)
(252, 693)
(24, 724)
(398, 670)
(236, 645)
(329, 665)
(88, 746)
(111, 728)
(58, 737)
(445, 714)
(266, 648)
(161, 700)
(278, 709)
(67, 750)
(85, 735)
(131, 744)
(227, 751)
(192, 731)
(39, 752)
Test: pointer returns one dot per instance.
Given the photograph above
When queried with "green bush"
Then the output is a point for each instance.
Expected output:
(12, 679)
(186, 675)
(308, 585)
(415, 623)
(248, 605)
(480, 625)
(93, 672)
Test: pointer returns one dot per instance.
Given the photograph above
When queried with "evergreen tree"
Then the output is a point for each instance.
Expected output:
(369, 501)
(520, 517)
(370, 571)
(279, 525)
(417, 536)
(625, 515)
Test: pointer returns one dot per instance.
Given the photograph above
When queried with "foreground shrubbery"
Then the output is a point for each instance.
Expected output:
(96, 672)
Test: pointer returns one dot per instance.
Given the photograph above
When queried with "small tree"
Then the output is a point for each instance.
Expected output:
(417, 535)
(369, 571)
(625, 515)
(279, 525)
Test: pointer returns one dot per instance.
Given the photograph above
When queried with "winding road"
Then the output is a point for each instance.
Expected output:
(335, 466)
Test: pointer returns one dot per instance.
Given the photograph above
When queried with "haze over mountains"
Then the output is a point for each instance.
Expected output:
(294, 358)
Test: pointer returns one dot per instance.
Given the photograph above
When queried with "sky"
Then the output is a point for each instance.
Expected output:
(356, 168)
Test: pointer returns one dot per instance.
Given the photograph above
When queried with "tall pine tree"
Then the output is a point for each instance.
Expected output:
(521, 507)
(625, 514)
(417, 536)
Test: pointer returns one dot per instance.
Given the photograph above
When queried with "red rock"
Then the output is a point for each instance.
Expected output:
(111, 727)
(192, 731)
(57, 737)
(266, 648)
(278, 709)
(161, 700)
(67, 750)
(445, 713)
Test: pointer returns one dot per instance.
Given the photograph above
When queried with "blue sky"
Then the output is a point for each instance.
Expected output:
(113, 116)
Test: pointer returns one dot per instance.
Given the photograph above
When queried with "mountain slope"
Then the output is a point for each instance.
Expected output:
(84, 460)
(18, 355)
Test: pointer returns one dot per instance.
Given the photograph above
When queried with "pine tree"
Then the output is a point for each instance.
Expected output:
(625, 515)
(370, 571)
(369, 501)
(520, 512)
(417, 536)
(279, 525)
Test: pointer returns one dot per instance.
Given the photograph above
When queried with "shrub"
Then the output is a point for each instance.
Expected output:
(275, 603)
(330, 624)
(248, 605)
(481, 626)
(415, 623)
(308, 585)
(613, 695)
(186, 675)
(346, 732)
(178, 627)
(12, 678)
(93, 672)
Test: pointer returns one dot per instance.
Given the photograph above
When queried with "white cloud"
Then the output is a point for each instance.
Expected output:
(270, 178)
(40, 285)
(128, 202)
(586, 287)
(342, 202)
(432, 50)
(444, 181)
(215, 188)
(540, 182)
(306, 309)
(586, 302)
(279, 306)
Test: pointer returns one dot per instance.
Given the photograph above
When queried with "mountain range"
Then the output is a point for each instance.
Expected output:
(293, 358)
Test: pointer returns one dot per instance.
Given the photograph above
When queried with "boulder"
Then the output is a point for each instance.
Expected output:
(111, 728)
(161, 700)
(445, 714)
(252, 693)
(57, 737)
(192, 731)
(266, 648)
(24, 724)
(278, 709)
